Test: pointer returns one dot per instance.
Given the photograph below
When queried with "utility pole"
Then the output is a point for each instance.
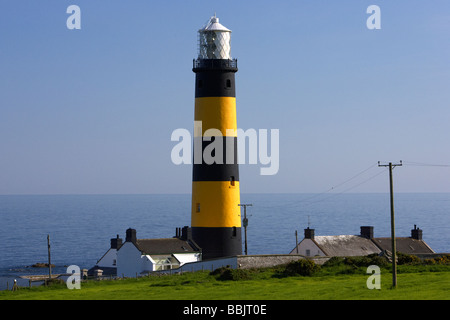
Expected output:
(245, 223)
(394, 254)
(49, 262)
(296, 241)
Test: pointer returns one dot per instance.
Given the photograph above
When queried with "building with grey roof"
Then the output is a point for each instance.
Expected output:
(410, 245)
(137, 256)
(359, 245)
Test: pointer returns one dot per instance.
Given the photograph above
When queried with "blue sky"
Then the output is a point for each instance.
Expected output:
(92, 110)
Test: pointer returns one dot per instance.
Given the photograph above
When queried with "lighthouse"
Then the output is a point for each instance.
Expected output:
(215, 214)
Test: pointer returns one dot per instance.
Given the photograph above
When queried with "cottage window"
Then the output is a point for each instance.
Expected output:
(308, 252)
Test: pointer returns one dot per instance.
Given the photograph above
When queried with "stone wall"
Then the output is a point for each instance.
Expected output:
(270, 260)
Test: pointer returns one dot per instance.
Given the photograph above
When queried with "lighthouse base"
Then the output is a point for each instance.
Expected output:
(218, 242)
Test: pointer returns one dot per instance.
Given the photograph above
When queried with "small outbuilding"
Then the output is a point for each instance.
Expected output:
(359, 245)
(108, 262)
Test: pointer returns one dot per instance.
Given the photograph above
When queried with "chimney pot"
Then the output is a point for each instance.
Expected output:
(116, 243)
(309, 233)
(131, 235)
(367, 232)
(416, 233)
(186, 233)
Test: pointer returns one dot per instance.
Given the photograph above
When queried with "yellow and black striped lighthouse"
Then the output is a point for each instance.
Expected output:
(215, 216)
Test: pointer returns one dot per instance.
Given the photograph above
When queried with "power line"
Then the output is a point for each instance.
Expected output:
(348, 189)
(355, 186)
(420, 164)
(357, 175)
(340, 184)
(308, 199)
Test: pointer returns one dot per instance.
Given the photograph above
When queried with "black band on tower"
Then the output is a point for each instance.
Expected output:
(218, 242)
(224, 169)
(215, 78)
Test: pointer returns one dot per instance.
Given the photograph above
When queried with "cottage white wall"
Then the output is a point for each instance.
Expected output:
(187, 257)
(129, 260)
(308, 244)
(148, 264)
(211, 264)
(108, 259)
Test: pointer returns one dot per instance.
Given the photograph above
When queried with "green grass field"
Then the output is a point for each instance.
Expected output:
(337, 282)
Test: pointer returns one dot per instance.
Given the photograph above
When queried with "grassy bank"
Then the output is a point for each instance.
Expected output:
(340, 279)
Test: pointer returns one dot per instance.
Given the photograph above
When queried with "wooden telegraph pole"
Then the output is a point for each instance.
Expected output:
(245, 223)
(49, 262)
(394, 254)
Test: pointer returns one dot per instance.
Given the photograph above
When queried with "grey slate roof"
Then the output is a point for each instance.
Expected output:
(356, 245)
(404, 245)
(166, 246)
(346, 245)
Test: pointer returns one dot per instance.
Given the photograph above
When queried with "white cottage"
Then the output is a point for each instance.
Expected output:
(359, 245)
(137, 256)
(341, 245)
(108, 262)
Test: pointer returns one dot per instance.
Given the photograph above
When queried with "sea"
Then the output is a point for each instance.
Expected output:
(80, 227)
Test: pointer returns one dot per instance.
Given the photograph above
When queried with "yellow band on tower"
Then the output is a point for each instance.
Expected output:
(215, 204)
(216, 113)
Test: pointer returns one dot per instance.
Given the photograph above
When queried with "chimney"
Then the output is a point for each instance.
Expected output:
(131, 235)
(309, 233)
(367, 232)
(116, 243)
(416, 233)
(186, 233)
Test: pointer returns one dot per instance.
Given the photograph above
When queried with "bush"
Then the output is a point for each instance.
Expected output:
(53, 282)
(334, 261)
(371, 259)
(403, 258)
(375, 259)
(219, 271)
(445, 260)
(303, 267)
(224, 273)
(355, 261)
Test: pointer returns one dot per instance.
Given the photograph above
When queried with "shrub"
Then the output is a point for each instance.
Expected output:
(365, 261)
(303, 267)
(218, 271)
(356, 261)
(403, 258)
(334, 261)
(53, 282)
(377, 260)
(445, 259)
(232, 274)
